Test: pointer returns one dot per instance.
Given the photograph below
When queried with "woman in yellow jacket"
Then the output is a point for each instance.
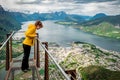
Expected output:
(28, 42)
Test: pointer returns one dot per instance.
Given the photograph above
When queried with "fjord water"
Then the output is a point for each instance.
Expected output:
(65, 35)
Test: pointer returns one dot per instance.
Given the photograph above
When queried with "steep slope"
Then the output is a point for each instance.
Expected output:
(7, 23)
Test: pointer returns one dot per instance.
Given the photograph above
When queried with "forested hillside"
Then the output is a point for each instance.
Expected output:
(108, 26)
(7, 23)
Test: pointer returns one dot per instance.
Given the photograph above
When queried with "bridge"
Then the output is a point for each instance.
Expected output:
(42, 63)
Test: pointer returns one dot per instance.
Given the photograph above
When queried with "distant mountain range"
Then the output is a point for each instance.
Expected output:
(11, 20)
(62, 16)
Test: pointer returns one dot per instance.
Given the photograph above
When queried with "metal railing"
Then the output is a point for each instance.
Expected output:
(42, 59)
(8, 38)
(10, 59)
(4, 50)
(57, 72)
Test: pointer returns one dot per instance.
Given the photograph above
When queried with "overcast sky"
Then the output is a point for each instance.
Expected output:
(82, 7)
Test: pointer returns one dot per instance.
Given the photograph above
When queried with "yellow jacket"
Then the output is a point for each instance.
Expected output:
(30, 35)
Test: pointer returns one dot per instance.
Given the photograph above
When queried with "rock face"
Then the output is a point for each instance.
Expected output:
(83, 55)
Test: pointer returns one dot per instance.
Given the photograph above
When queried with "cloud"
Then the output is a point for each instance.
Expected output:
(93, 1)
(27, 2)
(83, 7)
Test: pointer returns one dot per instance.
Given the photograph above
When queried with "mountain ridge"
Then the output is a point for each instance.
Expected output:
(99, 15)
(114, 20)
(7, 23)
(49, 16)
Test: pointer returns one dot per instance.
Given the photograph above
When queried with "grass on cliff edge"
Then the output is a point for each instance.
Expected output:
(98, 73)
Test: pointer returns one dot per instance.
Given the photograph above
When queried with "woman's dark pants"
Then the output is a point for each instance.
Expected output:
(25, 61)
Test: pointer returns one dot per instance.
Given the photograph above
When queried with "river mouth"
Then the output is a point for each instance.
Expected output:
(65, 35)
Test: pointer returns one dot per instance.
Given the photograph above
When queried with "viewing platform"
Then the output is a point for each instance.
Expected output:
(42, 64)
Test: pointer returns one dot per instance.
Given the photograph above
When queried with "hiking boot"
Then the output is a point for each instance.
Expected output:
(28, 69)
(25, 70)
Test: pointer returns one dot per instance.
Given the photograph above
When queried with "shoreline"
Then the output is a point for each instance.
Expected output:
(70, 41)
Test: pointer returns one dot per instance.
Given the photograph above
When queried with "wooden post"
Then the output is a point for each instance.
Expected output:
(7, 54)
(0, 44)
(38, 55)
(12, 74)
(72, 73)
(46, 62)
(35, 49)
(33, 73)
(10, 49)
